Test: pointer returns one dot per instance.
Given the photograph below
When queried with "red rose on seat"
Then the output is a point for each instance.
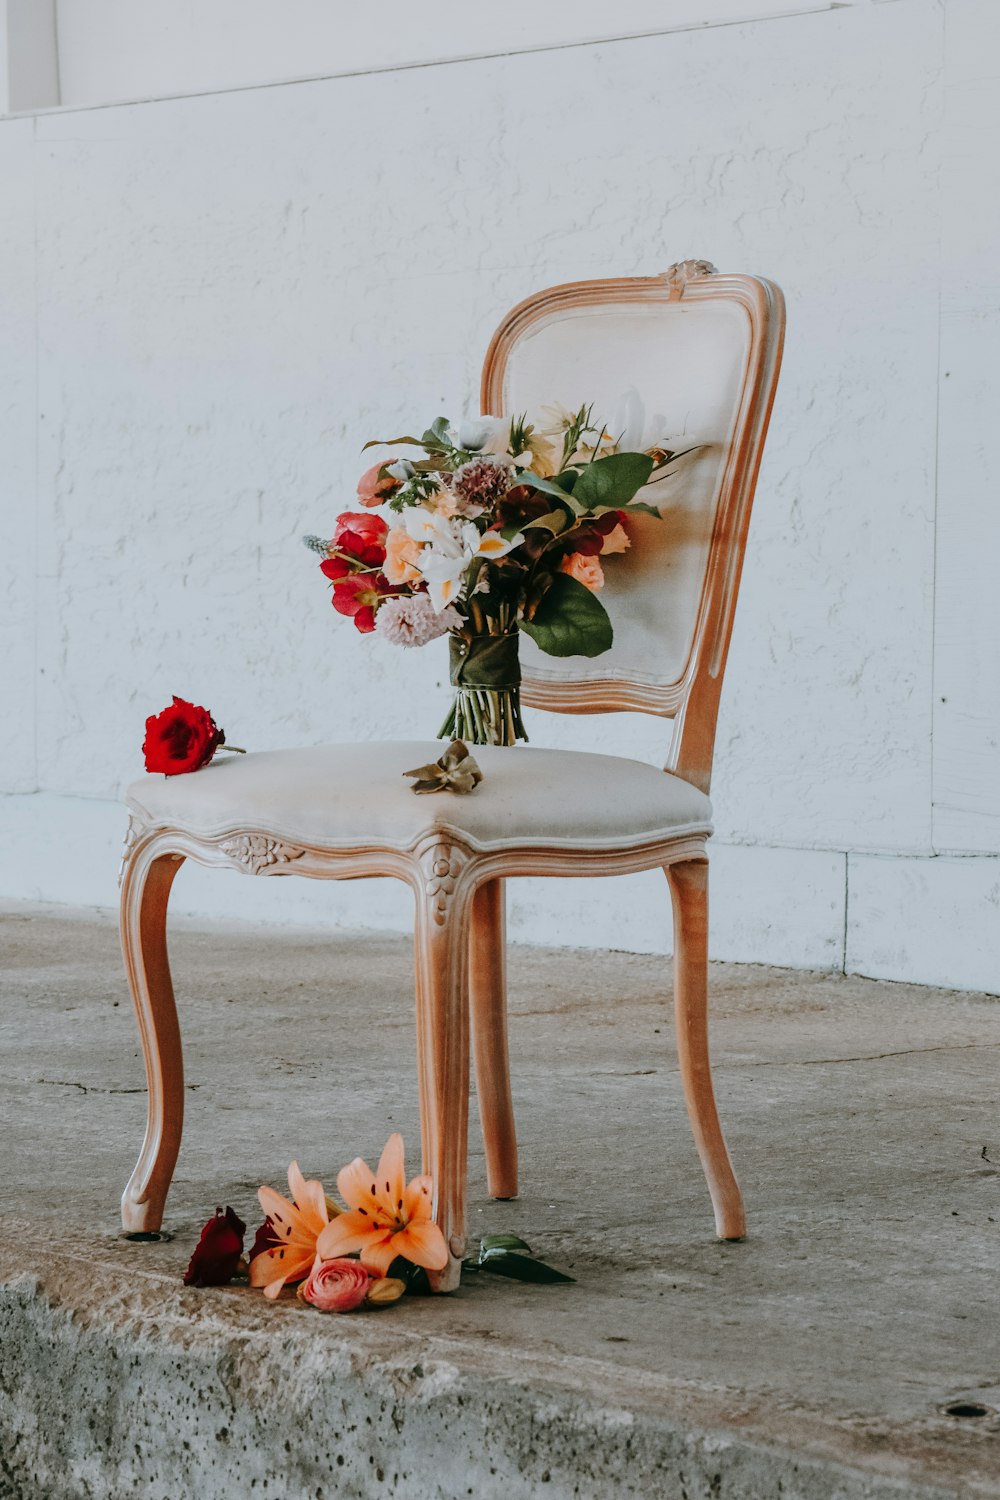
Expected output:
(361, 536)
(216, 1253)
(181, 738)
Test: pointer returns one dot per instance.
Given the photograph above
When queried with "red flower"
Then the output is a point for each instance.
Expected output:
(181, 738)
(359, 596)
(361, 537)
(216, 1253)
(335, 567)
(264, 1239)
(374, 486)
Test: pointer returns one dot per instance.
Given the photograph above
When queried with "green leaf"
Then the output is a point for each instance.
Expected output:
(491, 1242)
(555, 521)
(570, 620)
(522, 1268)
(639, 506)
(613, 480)
(549, 487)
(393, 442)
(436, 435)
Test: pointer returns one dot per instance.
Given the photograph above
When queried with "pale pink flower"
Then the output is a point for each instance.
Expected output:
(586, 570)
(335, 1285)
(411, 620)
(617, 540)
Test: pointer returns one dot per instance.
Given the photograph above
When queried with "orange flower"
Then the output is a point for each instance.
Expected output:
(401, 552)
(616, 540)
(297, 1226)
(586, 570)
(387, 1218)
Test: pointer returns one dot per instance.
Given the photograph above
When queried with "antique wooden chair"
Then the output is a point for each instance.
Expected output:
(688, 351)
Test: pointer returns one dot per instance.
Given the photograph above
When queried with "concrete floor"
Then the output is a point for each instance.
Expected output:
(813, 1360)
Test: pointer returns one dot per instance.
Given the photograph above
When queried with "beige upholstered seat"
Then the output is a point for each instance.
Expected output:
(688, 352)
(337, 796)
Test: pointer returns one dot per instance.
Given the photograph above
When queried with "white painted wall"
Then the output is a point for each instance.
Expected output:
(213, 300)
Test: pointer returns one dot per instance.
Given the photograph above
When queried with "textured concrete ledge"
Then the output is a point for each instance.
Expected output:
(811, 1362)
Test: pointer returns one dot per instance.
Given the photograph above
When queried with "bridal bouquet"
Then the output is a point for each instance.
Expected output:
(492, 528)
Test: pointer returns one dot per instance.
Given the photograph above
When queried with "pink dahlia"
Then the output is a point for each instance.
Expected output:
(483, 481)
(412, 621)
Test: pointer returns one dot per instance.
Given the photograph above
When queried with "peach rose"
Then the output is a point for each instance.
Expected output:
(372, 490)
(586, 570)
(617, 540)
(401, 555)
(335, 1285)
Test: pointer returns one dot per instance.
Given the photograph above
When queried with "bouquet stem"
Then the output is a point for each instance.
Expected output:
(486, 675)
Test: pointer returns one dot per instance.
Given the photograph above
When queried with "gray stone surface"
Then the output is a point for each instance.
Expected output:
(812, 1360)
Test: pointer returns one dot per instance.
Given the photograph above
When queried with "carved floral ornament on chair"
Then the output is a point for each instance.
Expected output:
(499, 526)
(369, 1253)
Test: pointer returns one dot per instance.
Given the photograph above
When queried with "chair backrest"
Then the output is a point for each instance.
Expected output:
(693, 354)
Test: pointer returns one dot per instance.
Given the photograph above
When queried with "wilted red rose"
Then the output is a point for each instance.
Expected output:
(181, 738)
(374, 486)
(217, 1252)
(361, 537)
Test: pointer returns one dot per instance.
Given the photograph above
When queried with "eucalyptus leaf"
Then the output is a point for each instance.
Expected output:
(570, 620)
(612, 480)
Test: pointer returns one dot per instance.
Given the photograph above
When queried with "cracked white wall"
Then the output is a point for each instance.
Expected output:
(214, 300)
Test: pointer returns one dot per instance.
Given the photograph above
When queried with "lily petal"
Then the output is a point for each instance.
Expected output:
(390, 1179)
(417, 1199)
(423, 1244)
(346, 1233)
(308, 1198)
(272, 1268)
(379, 1255)
(356, 1185)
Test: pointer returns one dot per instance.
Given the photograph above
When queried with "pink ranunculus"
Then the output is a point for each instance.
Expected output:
(586, 570)
(373, 489)
(336, 1285)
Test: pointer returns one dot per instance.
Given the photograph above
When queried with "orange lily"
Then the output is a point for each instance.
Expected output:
(387, 1218)
(297, 1226)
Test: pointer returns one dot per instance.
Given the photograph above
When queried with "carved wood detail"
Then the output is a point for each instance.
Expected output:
(257, 853)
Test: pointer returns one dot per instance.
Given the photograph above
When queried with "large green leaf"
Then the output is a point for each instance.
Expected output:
(555, 521)
(550, 487)
(570, 621)
(612, 480)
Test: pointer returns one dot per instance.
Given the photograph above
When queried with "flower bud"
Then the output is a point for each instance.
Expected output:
(385, 1290)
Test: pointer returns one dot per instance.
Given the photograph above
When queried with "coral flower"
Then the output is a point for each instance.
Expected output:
(296, 1227)
(386, 1218)
(586, 570)
(402, 554)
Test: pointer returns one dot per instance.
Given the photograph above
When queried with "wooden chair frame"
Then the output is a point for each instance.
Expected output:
(458, 887)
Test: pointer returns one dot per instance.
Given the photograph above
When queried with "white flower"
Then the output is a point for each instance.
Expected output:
(413, 621)
(485, 435)
(401, 469)
(449, 546)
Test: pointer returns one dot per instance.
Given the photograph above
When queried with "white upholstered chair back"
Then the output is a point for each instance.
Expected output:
(690, 355)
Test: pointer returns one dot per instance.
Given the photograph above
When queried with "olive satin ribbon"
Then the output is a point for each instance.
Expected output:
(456, 771)
(484, 661)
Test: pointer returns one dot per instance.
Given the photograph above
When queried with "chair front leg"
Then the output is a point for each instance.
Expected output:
(689, 890)
(443, 919)
(146, 886)
(488, 998)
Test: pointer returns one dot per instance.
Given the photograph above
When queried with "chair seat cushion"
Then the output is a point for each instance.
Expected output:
(340, 796)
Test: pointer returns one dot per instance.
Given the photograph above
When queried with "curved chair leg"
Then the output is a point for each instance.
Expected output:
(145, 891)
(689, 890)
(488, 999)
(442, 963)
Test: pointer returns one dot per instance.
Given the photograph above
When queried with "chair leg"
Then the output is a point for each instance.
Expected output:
(442, 963)
(689, 890)
(145, 891)
(488, 999)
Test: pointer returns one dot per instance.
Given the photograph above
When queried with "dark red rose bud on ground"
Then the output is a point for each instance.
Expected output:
(181, 738)
(217, 1252)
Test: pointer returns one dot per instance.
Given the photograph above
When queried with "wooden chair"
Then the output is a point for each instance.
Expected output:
(687, 351)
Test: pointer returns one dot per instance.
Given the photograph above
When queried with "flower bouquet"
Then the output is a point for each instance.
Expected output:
(496, 527)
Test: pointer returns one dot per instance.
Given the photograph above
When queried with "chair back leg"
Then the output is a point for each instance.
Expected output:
(488, 1000)
(689, 890)
(146, 882)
